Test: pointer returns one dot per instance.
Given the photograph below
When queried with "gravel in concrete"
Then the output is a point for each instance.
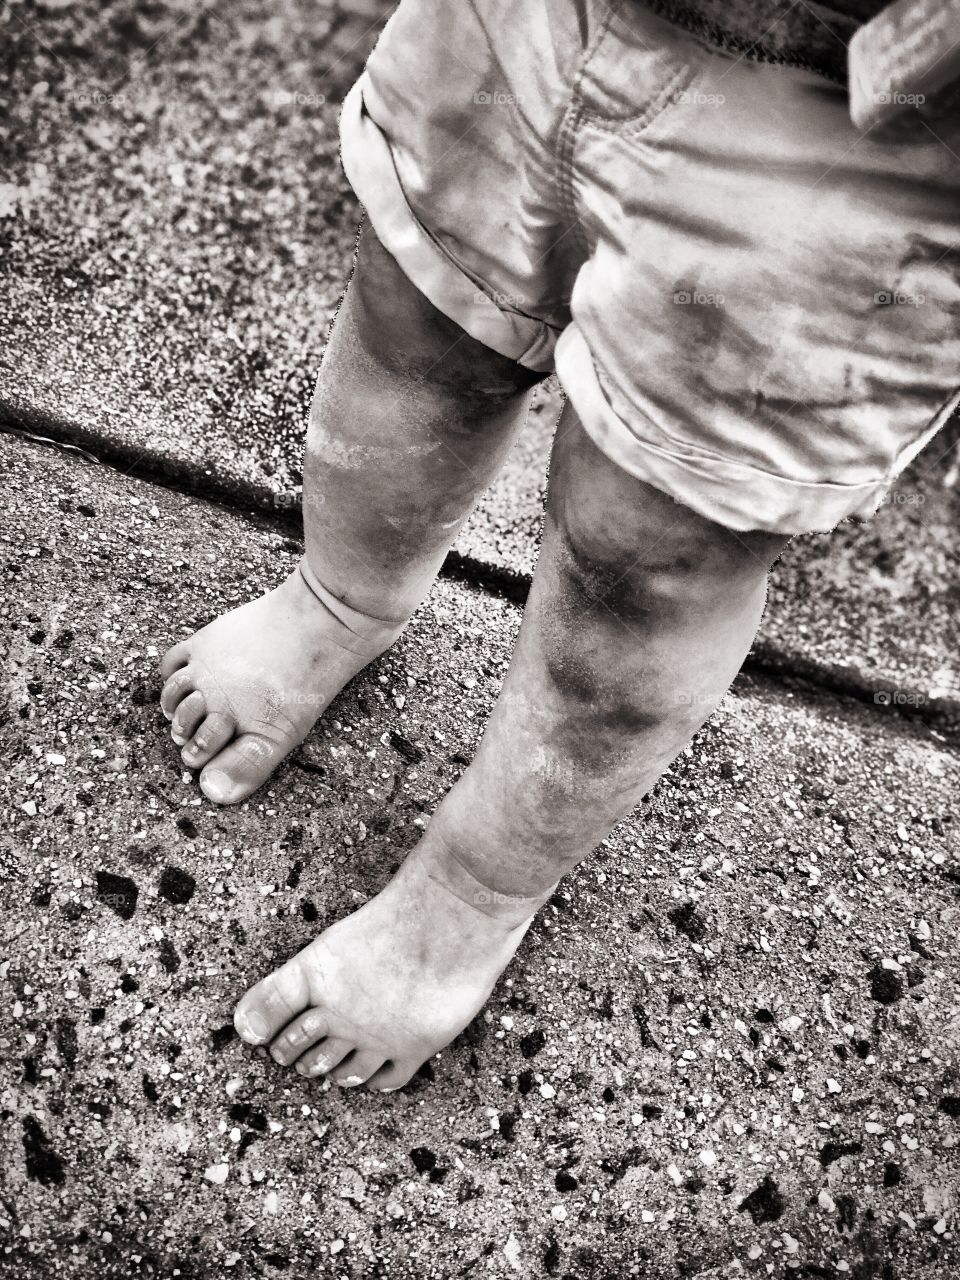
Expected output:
(729, 1047)
(175, 233)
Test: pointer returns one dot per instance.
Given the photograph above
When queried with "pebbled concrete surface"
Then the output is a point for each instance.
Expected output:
(175, 232)
(175, 235)
(730, 1046)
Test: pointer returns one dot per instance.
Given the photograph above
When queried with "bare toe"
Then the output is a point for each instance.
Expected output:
(176, 657)
(357, 1068)
(175, 690)
(187, 716)
(323, 1057)
(267, 1007)
(212, 736)
(299, 1036)
(392, 1075)
(240, 768)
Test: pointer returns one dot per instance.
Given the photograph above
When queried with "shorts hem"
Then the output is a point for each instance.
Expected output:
(368, 163)
(733, 494)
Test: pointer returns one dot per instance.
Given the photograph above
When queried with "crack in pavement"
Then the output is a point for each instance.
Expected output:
(283, 513)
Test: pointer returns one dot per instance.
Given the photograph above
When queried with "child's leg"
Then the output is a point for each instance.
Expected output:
(640, 616)
(410, 422)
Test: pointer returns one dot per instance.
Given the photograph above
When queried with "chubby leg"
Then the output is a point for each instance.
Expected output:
(411, 420)
(640, 615)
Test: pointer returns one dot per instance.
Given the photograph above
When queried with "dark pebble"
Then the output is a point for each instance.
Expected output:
(532, 1043)
(831, 1151)
(423, 1159)
(565, 1181)
(551, 1258)
(949, 1104)
(221, 1036)
(405, 747)
(119, 893)
(686, 919)
(508, 1125)
(186, 824)
(764, 1203)
(177, 885)
(892, 1176)
(169, 959)
(65, 1033)
(43, 1163)
(886, 987)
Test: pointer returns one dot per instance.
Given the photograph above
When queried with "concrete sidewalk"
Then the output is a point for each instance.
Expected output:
(729, 1046)
(175, 233)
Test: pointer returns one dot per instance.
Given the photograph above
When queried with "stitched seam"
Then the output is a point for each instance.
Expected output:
(718, 37)
(645, 117)
(565, 190)
(567, 137)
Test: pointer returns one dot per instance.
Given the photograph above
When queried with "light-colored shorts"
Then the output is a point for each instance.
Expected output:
(750, 306)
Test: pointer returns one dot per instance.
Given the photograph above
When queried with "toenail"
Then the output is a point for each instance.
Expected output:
(351, 1080)
(216, 784)
(178, 738)
(252, 1027)
(389, 1088)
(319, 1067)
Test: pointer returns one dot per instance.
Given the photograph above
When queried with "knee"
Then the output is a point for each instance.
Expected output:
(404, 332)
(633, 550)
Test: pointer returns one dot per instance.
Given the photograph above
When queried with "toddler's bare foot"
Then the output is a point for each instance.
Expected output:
(387, 987)
(245, 690)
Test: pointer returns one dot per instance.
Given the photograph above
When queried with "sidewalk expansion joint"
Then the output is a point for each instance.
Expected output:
(788, 669)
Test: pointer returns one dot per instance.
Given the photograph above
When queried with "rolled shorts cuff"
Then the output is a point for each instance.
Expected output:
(368, 163)
(730, 493)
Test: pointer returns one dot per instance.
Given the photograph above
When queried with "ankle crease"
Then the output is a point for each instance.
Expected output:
(375, 632)
(470, 889)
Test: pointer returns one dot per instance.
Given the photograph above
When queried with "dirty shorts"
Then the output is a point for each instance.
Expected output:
(750, 305)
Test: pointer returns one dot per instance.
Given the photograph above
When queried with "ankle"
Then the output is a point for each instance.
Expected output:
(492, 880)
(363, 633)
(444, 866)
